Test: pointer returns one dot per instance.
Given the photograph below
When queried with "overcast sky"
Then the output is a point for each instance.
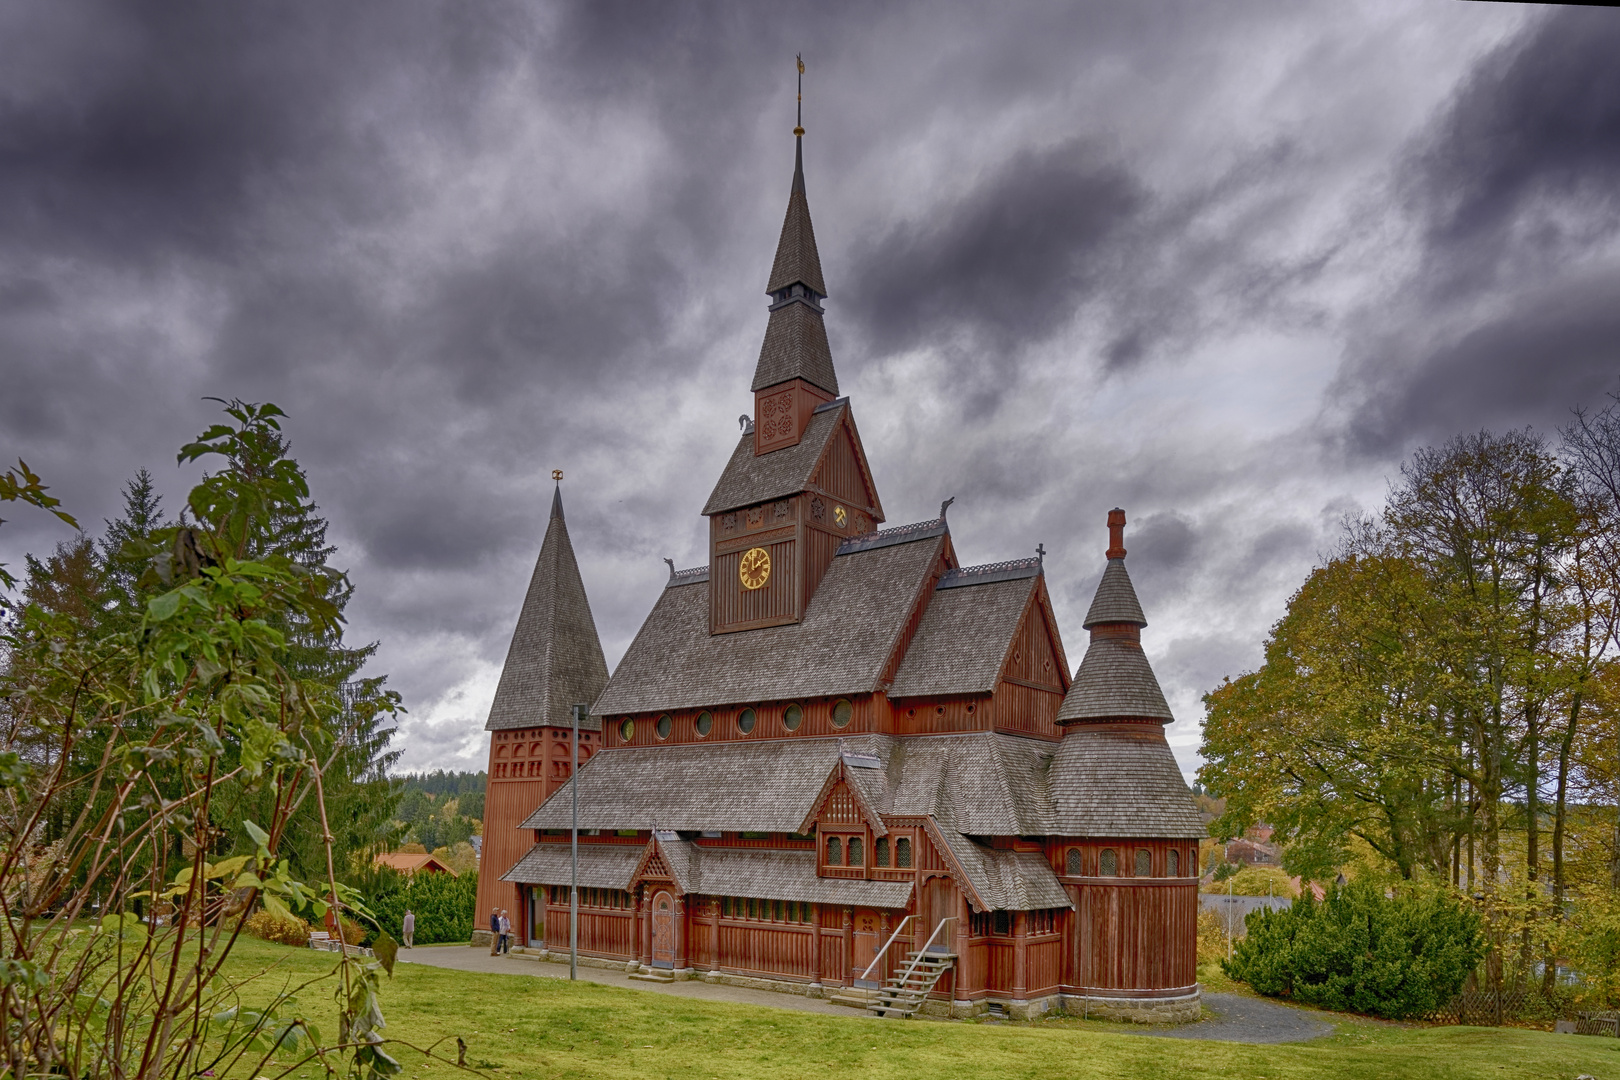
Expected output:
(1223, 265)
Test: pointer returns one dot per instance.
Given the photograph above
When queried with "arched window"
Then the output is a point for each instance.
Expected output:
(1074, 863)
(1144, 863)
(902, 853)
(880, 851)
(835, 851)
(1192, 863)
(855, 852)
(1173, 865)
(1108, 863)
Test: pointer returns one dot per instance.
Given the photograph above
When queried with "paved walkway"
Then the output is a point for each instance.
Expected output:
(1248, 1020)
(1236, 1018)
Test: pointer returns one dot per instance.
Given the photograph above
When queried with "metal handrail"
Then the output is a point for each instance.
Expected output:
(885, 948)
(915, 960)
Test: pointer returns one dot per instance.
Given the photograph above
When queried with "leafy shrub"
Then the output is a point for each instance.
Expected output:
(443, 903)
(277, 928)
(1358, 951)
(1211, 936)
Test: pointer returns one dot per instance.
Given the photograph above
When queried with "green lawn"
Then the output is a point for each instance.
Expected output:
(519, 1026)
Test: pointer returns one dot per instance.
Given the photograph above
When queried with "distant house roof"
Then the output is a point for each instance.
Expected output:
(407, 863)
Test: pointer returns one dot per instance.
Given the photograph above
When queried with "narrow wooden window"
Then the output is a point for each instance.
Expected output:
(1192, 863)
(880, 851)
(1173, 868)
(725, 906)
(1144, 863)
(1108, 863)
(752, 909)
(835, 851)
(902, 853)
(1002, 923)
(776, 911)
(856, 855)
(1074, 863)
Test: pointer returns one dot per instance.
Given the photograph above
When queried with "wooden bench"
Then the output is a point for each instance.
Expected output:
(1598, 1023)
(325, 942)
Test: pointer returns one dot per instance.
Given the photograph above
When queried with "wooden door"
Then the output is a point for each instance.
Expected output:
(663, 930)
(864, 945)
(939, 904)
(537, 915)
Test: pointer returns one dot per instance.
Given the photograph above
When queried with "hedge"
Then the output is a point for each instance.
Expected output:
(443, 903)
(1360, 951)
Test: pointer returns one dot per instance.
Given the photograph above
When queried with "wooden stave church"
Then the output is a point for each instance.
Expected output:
(868, 689)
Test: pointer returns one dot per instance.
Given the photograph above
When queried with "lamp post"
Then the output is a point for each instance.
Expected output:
(573, 887)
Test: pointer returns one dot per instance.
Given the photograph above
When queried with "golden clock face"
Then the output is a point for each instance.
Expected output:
(841, 516)
(755, 569)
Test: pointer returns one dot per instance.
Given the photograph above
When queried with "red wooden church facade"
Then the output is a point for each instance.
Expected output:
(834, 745)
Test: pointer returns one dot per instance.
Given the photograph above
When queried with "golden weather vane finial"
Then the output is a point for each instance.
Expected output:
(799, 129)
(556, 474)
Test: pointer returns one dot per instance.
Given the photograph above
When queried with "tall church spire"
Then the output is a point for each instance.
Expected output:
(795, 339)
(555, 659)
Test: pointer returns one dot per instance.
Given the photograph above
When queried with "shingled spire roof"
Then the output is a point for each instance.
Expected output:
(795, 344)
(797, 261)
(556, 658)
(1115, 680)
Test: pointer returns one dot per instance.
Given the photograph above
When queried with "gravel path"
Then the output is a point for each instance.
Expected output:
(1248, 1020)
(1236, 1018)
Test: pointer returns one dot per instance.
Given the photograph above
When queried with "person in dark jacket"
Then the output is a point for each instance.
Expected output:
(494, 930)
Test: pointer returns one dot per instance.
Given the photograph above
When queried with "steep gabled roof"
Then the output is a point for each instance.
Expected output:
(849, 630)
(748, 480)
(965, 633)
(555, 658)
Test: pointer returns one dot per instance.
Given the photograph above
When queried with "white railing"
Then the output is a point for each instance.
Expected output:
(885, 948)
(917, 959)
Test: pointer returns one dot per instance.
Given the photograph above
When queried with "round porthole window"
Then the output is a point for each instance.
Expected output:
(627, 729)
(704, 724)
(664, 725)
(745, 721)
(792, 717)
(843, 712)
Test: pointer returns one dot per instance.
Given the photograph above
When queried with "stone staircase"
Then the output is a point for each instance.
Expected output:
(906, 990)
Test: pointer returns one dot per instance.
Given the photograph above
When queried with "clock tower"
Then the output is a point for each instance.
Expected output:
(798, 484)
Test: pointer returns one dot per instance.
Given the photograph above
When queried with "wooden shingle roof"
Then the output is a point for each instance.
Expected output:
(1115, 681)
(555, 658)
(771, 875)
(797, 260)
(1115, 600)
(963, 638)
(850, 629)
(795, 347)
(748, 480)
(1120, 780)
(601, 866)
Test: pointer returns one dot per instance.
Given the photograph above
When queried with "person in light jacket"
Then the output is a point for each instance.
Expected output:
(506, 932)
(408, 928)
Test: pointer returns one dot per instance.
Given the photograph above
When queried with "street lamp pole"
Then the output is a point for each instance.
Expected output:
(573, 887)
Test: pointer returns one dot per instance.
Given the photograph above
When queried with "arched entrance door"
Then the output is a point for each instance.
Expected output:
(663, 930)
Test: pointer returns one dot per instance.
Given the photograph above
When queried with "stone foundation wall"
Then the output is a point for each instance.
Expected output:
(1176, 1010)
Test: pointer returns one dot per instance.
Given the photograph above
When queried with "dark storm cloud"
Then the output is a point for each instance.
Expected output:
(1511, 314)
(465, 244)
(1007, 262)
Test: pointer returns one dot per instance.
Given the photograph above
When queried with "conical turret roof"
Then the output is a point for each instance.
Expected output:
(1115, 680)
(555, 659)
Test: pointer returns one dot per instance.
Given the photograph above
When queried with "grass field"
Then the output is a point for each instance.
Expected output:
(519, 1027)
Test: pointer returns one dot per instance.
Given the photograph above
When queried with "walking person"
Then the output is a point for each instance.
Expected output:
(408, 927)
(506, 933)
(494, 930)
